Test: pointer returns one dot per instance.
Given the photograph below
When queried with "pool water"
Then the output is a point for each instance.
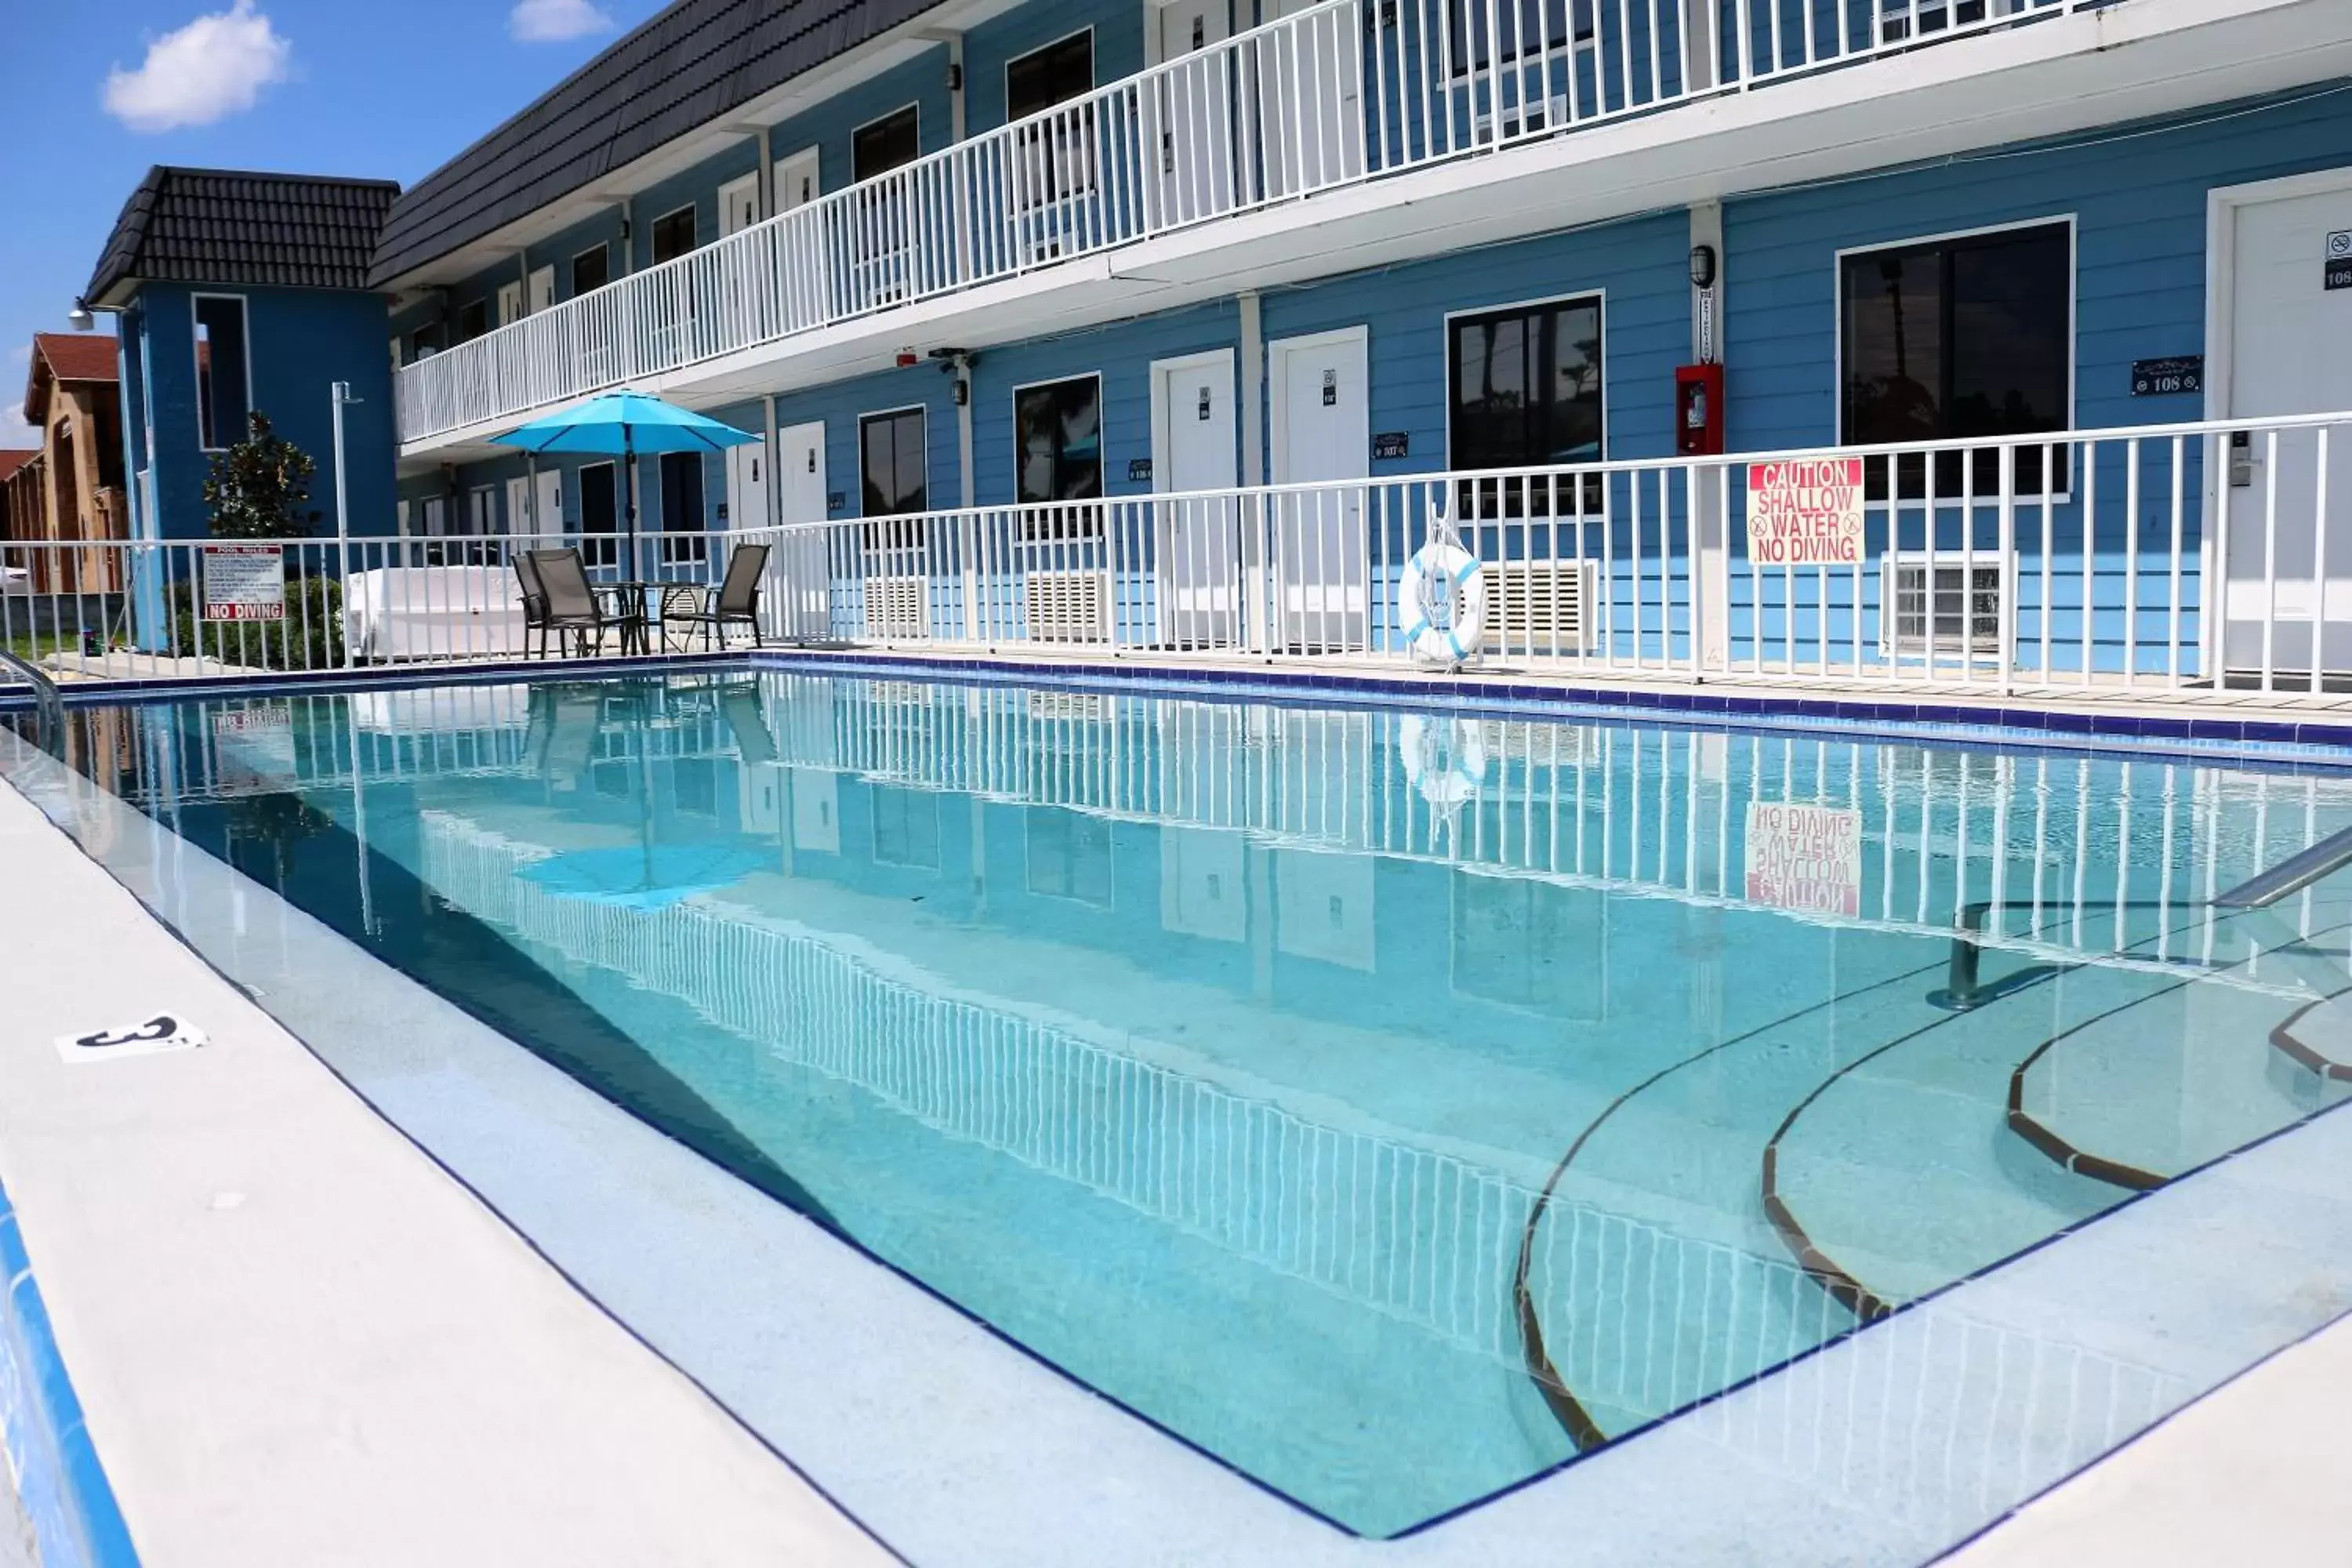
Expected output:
(1393, 1106)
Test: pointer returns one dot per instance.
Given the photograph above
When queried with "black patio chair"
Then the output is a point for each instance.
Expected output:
(534, 604)
(735, 600)
(572, 603)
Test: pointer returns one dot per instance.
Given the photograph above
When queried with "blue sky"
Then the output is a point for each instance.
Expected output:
(100, 90)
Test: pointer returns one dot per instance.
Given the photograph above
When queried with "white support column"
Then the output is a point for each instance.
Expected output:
(1256, 609)
(1710, 550)
(775, 490)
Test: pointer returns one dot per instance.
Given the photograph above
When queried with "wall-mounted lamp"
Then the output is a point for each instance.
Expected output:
(80, 318)
(955, 78)
(1702, 266)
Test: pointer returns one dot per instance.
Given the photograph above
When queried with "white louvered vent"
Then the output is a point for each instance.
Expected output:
(893, 607)
(1945, 607)
(1069, 707)
(1067, 607)
(1536, 608)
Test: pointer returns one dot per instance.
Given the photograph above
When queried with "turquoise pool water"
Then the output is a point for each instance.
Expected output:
(1390, 1105)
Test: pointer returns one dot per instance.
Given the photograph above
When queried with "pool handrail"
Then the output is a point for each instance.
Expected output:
(47, 699)
(2290, 876)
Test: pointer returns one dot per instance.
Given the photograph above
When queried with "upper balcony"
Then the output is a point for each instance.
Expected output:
(1493, 118)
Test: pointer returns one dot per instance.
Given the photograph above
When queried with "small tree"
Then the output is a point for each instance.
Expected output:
(257, 488)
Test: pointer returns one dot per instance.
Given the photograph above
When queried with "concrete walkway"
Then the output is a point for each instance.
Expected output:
(296, 1341)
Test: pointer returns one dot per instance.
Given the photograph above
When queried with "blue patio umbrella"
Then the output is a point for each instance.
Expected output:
(620, 424)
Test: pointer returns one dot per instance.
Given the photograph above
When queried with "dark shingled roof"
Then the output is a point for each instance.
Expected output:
(695, 62)
(220, 226)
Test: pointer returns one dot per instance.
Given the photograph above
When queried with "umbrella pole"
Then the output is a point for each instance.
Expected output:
(629, 455)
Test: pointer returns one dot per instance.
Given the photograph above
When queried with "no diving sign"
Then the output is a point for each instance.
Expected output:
(2339, 259)
(1807, 512)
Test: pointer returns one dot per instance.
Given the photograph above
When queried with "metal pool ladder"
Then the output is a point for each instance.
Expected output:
(46, 698)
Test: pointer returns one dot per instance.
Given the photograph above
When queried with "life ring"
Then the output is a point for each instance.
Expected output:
(1444, 759)
(1441, 603)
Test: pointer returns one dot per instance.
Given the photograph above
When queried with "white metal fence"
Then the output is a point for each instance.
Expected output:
(2160, 561)
(1334, 94)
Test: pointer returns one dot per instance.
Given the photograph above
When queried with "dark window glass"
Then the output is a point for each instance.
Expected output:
(1527, 28)
(473, 321)
(222, 405)
(1960, 339)
(590, 270)
(1055, 74)
(1057, 437)
(1525, 390)
(673, 235)
(879, 148)
(427, 341)
(891, 461)
(600, 516)
(682, 505)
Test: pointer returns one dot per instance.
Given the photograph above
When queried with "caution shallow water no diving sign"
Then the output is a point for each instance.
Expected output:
(1805, 512)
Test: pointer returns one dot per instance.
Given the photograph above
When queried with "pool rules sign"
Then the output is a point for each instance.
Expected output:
(1805, 512)
(245, 582)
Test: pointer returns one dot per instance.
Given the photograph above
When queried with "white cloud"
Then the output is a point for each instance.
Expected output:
(554, 21)
(214, 67)
(15, 432)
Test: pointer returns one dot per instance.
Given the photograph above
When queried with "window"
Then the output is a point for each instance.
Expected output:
(905, 828)
(1524, 391)
(1957, 339)
(1069, 855)
(600, 516)
(889, 141)
(1056, 157)
(590, 270)
(1055, 74)
(673, 235)
(1057, 450)
(473, 321)
(681, 503)
(891, 462)
(1528, 30)
(224, 383)
(427, 342)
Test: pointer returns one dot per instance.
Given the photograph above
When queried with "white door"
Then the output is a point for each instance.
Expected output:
(1199, 541)
(2280, 308)
(797, 181)
(747, 485)
(1317, 553)
(738, 205)
(519, 505)
(510, 303)
(1310, 101)
(543, 289)
(549, 519)
(1194, 106)
(805, 594)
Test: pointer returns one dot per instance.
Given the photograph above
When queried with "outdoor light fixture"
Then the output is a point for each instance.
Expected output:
(1702, 263)
(80, 317)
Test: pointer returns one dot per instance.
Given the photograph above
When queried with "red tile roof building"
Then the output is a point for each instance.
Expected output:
(72, 487)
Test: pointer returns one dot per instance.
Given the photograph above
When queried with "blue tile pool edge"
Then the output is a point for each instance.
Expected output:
(62, 1485)
(2259, 741)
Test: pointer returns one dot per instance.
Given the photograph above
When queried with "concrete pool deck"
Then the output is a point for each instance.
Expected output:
(357, 1361)
(294, 1338)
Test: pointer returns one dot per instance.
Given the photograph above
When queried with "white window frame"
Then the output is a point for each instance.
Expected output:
(1084, 150)
(859, 130)
(244, 318)
(925, 410)
(661, 218)
(2063, 437)
(606, 246)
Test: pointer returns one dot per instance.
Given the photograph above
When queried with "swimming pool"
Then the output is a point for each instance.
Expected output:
(1392, 1105)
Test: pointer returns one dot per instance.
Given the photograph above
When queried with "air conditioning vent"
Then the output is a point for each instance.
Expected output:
(1941, 607)
(893, 607)
(1535, 607)
(1067, 607)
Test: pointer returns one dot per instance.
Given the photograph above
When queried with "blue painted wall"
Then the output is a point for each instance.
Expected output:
(303, 341)
(829, 126)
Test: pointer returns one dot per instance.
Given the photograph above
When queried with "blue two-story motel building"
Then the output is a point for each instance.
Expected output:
(982, 252)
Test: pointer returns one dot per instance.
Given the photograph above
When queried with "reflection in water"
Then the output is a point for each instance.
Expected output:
(1393, 1117)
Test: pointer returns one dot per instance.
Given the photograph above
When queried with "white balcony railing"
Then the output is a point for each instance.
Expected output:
(1300, 105)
